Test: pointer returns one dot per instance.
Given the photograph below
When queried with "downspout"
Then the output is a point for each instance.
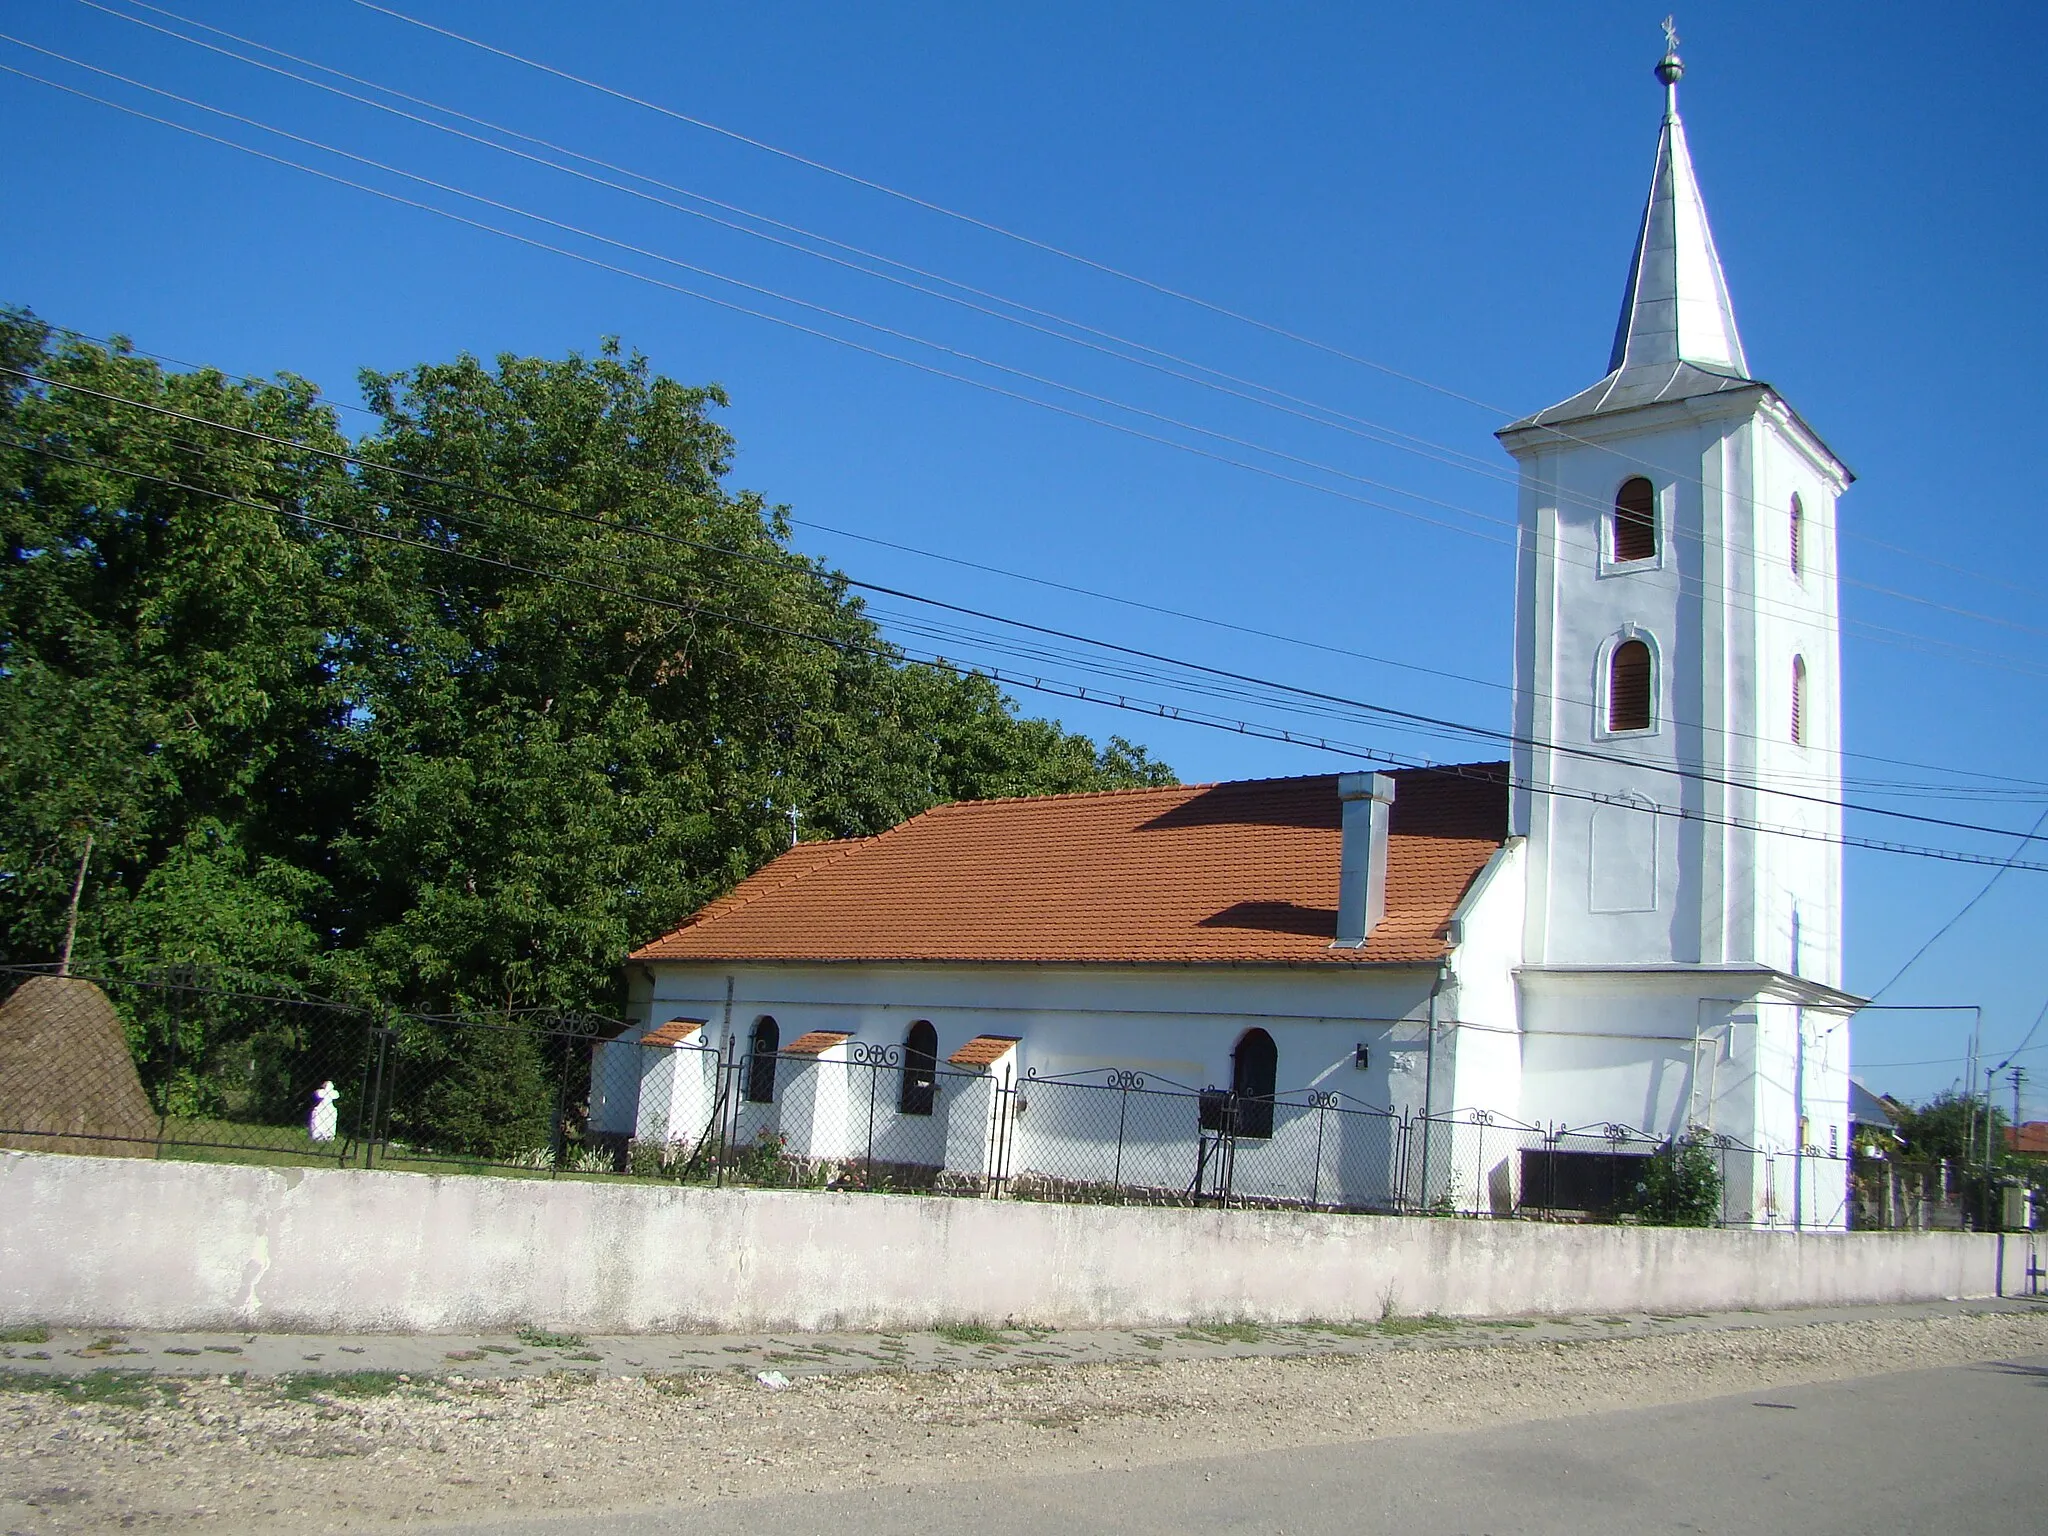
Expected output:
(1799, 1118)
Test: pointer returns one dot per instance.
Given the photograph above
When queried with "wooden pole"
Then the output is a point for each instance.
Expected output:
(71, 920)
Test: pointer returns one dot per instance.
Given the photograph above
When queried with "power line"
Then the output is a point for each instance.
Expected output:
(1008, 234)
(1875, 785)
(1119, 701)
(1301, 408)
(2023, 789)
(1384, 714)
(1996, 876)
(1751, 601)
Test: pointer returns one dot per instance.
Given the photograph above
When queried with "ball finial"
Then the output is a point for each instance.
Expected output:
(1670, 68)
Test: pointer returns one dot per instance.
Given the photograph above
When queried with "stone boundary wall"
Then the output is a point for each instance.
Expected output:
(120, 1243)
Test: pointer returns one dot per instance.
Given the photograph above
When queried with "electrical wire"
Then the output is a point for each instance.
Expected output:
(1152, 707)
(1296, 406)
(1756, 603)
(1383, 714)
(2026, 790)
(1043, 246)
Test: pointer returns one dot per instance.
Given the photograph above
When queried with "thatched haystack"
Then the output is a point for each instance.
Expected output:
(67, 1082)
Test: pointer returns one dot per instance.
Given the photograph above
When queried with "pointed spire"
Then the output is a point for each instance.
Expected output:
(1676, 309)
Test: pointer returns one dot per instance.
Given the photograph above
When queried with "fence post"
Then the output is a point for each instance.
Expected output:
(558, 1137)
(868, 1170)
(1123, 1104)
(374, 1084)
(730, 1082)
(163, 1117)
(1315, 1189)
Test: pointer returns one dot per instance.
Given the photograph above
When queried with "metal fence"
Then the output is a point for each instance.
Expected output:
(185, 1063)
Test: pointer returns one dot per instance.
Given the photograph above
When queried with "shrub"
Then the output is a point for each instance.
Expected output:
(1680, 1184)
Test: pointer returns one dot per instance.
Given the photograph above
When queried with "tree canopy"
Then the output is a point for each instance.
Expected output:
(449, 715)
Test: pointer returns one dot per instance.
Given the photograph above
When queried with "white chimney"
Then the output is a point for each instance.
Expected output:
(1362, 869)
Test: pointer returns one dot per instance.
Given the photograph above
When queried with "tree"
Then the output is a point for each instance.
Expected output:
(1950, 1125)
(446, 718)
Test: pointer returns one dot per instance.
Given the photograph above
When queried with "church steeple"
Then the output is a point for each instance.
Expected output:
(1676, 308)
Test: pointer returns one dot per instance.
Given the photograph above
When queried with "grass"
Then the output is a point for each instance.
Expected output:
(969, 1333)
(540, 1338)
(113, 1389)
(303, 1386)
(25, 1333)
(1428, 1323)
(1225, 1333)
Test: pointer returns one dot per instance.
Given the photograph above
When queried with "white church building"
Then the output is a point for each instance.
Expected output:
(1482, 988)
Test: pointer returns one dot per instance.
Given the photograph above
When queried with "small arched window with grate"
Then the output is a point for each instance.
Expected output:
(1630, 687)
(920, 1087)
(1798, 538)
(762, 1045)
(1798, 701)
(1635, 521)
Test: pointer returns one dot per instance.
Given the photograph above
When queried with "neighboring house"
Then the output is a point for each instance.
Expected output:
(1634, 927)
(2027, 1139)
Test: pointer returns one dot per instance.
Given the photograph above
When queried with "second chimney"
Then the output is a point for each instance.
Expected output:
(1362, 867)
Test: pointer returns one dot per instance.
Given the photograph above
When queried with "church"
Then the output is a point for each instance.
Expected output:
(1480, 988)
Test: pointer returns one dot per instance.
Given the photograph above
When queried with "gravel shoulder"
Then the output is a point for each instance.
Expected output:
(97, 1448)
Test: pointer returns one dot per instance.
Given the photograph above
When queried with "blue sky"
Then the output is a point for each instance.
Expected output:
(1448, 192)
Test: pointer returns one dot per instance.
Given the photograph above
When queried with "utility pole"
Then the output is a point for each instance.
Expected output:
(2018, 1076)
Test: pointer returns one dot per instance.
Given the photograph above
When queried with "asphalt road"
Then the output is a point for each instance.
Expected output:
(1954, 1451)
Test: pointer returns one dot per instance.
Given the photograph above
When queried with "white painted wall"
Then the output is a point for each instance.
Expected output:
(1175, 1027)
(125, 1243)
(1724, 615)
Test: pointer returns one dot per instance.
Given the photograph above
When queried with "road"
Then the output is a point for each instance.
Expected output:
(1958, 1450)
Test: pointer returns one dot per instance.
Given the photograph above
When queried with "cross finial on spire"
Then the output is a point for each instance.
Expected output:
(1669, 69)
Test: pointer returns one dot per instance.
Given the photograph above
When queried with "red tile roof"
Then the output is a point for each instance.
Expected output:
(983, 1051)
(674, 1032)
(1240, 873)
(816, 1043)
(2028, 1139)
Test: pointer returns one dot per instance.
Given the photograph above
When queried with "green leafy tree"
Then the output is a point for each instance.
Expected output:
(1950, 1125)
(444, 719)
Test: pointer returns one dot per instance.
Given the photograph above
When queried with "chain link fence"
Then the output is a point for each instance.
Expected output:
(180, 1062)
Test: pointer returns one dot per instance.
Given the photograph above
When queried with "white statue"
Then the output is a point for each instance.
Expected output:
(321, 1126)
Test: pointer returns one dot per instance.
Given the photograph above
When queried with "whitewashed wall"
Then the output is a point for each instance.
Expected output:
(124, 1243)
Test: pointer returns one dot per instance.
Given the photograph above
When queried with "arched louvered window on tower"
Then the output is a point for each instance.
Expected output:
(1630, 687)
(1798, 532)
(1798, 701)
(920, 1069)
(1635, 521)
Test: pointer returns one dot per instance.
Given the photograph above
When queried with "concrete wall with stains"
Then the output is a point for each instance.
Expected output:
(123, 1243)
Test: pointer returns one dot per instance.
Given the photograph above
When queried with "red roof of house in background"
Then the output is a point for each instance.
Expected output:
(2029, 1138)
(1240, 873)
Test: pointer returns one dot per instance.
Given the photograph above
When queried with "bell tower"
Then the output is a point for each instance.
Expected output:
(1677, 665)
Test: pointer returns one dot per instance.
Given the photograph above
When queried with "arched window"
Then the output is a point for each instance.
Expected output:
(1635, 520)
(761, 1048)
(1629, 687)
(1254, 1070)
(920, 1069)
(1798, 701)
(1798, 538)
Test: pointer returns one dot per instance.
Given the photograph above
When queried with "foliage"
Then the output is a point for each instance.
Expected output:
(1680, 1184)
(1949, 1125)
(447, 729)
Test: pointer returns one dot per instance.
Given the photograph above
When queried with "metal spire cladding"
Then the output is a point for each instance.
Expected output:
(1676, 338)
(1676, 308)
